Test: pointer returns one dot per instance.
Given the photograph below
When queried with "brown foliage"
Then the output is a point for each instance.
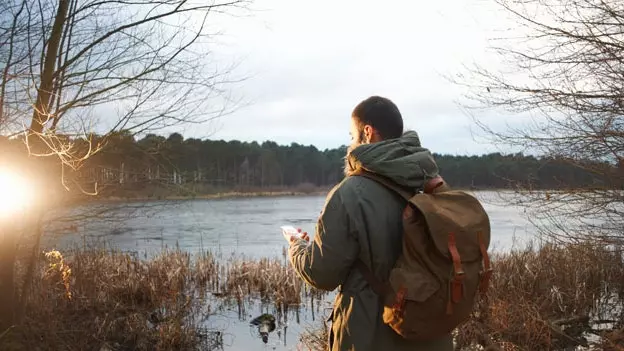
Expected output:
(613, 341)
(549, 298)
(315, 338)
(95, 299)
(269, 279)
(100, 299)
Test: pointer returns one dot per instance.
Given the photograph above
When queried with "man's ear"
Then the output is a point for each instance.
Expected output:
(368, 134)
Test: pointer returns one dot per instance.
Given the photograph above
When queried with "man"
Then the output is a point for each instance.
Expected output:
(362, 220)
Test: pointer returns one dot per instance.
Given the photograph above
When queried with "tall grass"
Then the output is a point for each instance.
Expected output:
(551, 298)
(541, 298)
(108, 300)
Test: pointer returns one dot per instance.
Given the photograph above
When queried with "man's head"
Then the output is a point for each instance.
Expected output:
(375, 119)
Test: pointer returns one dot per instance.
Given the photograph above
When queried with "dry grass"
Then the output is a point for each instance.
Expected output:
(270, 280)
(315, 339)
(107, 300)
(541, 299)
(550, 298)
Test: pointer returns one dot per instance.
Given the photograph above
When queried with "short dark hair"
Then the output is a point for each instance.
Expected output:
(381, 114)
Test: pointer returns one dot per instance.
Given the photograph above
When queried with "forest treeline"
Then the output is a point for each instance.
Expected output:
(127, 163)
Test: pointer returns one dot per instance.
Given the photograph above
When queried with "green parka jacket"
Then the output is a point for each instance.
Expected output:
(361, 219)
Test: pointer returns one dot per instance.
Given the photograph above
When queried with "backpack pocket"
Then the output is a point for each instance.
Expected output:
(413, 303)
(417, 283)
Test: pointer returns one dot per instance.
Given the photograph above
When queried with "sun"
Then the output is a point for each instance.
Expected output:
(16, 194)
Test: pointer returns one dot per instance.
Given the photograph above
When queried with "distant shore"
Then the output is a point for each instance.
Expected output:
(227, 194)
(223, 195)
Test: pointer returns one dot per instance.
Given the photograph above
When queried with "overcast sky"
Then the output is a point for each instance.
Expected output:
(310, 62)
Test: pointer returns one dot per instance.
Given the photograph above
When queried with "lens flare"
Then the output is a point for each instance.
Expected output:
(16, 193)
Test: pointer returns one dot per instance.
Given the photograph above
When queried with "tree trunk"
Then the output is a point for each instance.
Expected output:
(8, 247)
(40, 112)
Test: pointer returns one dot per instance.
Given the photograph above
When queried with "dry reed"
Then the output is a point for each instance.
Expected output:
(92, 299)
(550, 298)
(547, 298)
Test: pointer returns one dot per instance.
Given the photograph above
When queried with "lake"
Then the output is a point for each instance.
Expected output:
(232, 227)
(241, 226)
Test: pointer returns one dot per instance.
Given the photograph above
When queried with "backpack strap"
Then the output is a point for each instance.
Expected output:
(457, 283)
(376, 285)
(433, 185)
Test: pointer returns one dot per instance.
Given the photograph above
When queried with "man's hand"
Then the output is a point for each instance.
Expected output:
(304, 236)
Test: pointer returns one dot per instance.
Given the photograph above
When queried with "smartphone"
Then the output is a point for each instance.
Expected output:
(289, 231)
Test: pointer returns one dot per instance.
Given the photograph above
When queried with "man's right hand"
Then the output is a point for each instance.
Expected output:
(304, 236)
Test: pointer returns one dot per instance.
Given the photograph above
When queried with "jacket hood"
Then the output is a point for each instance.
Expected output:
(402, 160)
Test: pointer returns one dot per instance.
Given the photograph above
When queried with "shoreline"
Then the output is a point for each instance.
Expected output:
(231, 195)
(216, 196)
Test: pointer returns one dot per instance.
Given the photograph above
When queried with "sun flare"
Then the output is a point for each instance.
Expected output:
(15, 193)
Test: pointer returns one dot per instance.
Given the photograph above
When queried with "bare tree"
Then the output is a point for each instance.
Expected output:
(563, 69)
(134, 65)
(71, 68)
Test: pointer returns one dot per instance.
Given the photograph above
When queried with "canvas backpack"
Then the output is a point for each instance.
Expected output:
(444, 264)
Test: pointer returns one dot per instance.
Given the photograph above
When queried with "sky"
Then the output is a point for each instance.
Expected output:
(308, 63)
